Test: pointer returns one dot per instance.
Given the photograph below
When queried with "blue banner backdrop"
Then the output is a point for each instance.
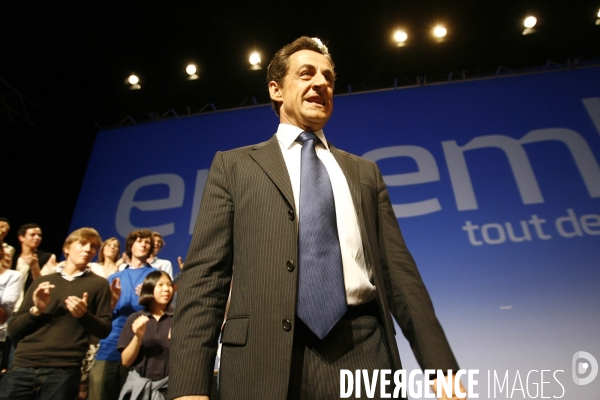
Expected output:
(496, 185)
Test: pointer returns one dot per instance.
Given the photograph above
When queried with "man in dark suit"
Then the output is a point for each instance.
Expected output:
(251, 222)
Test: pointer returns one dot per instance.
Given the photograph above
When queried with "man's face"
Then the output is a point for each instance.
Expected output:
(32, 238)
(157, 245)
(140, 249)
(306, 95)
(4, 228)
(81, 252)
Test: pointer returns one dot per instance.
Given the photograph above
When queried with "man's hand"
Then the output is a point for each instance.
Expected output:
(34, 265)
(32, 260)
(463, 391)
(139, 326)
(180, 262)
(41, 296)
(138, 289)
(76, 306)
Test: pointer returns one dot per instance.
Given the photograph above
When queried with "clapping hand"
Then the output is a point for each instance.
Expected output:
(41, 296)
(76, 306)
(139, 326)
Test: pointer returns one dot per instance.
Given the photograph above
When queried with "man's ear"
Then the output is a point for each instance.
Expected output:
(275, 91)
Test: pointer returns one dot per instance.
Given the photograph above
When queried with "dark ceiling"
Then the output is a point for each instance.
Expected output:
(70, 60)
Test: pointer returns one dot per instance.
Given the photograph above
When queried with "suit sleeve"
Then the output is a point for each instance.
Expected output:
(203, 289)
(407, 296)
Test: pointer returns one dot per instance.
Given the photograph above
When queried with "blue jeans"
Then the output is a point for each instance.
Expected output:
(21, 383)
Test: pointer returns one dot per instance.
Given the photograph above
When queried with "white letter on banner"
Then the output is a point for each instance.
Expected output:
(519, 164)
(580, 151)
(346, 389)
(517, 158)
(127, 202)
(427, 172)
(592, 106)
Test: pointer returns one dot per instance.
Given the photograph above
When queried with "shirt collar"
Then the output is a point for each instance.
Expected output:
(59, 269)
(168, 312)
(287, 135)
(144, 265)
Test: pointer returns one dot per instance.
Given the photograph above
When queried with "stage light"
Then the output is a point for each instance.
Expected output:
(530, 22)
(440, 32)
(400, 37)
(255, 61)
(191, 69)
(133, 79)
(598, 20)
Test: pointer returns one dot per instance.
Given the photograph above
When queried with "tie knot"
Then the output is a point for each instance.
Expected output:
(304, 136)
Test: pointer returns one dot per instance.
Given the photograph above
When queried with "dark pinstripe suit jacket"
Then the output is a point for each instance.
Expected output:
(247, 220)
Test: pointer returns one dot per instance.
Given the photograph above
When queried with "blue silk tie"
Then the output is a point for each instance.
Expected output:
(321, 291)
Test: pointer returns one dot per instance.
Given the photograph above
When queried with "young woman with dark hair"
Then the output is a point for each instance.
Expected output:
(145, 339)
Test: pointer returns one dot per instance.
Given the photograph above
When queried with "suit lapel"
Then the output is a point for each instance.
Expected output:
(268, 156)
(350, 169)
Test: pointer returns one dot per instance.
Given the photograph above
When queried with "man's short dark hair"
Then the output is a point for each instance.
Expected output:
(135, 235)
(147, 291)
(278, 67)
(23, 228)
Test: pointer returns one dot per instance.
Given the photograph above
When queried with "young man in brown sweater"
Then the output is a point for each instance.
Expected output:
(52, 327)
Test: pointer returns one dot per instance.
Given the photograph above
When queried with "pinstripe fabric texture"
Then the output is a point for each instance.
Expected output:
(247, 220)
(354, 343)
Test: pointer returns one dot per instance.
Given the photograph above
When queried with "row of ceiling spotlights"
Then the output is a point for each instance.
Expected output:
(399, 36)
(192, 70)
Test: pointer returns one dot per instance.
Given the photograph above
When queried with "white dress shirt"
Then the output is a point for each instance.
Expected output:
(357, 278)
(11, 283)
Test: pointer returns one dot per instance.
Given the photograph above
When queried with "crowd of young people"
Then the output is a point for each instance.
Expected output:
(78, 329)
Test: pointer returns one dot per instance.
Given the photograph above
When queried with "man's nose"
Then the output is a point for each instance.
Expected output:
(319, 80)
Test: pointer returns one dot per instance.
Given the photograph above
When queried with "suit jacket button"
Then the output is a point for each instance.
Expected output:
(290, 266)
(291, 214)
(287, 325)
